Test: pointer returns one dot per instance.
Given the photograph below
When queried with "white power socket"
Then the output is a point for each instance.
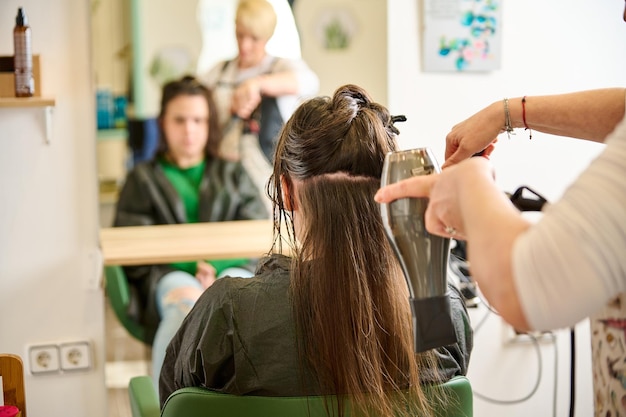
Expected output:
(44, 359)
(75, 356)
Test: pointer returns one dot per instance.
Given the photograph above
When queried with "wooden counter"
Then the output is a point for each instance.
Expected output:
(140, 245)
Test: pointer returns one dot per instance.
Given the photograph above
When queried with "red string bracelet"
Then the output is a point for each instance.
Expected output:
(530, 132)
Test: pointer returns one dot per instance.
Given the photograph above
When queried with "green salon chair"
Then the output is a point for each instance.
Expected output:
(118, 291)
(199, 402)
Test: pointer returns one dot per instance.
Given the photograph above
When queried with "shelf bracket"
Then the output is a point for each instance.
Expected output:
(48, 115)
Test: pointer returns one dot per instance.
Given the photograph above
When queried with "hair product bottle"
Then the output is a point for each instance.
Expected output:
(23, 56)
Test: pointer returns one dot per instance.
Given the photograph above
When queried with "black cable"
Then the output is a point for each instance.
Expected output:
(572, 382)
(556, 375)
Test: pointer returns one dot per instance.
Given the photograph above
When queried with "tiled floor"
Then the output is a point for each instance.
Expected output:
(126, 357)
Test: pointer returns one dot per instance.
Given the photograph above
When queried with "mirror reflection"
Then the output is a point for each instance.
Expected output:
(138, 48)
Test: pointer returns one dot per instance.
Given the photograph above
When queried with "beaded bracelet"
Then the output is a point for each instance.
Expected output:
(507, 119)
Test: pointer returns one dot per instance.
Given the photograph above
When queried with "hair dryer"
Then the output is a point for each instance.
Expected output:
(423, 257)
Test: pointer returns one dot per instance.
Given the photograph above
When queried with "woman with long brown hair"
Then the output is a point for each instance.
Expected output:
(332, 318)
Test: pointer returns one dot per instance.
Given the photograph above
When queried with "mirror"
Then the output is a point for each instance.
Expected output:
(136, 44)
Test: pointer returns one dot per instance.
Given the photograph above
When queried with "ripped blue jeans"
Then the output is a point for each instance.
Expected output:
(173, 308)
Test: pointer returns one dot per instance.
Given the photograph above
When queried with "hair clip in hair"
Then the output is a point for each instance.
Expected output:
(394, 119)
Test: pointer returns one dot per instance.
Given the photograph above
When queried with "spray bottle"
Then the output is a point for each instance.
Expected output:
(23, 56)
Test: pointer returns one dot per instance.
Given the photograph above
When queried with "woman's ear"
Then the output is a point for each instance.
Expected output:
(287, 194)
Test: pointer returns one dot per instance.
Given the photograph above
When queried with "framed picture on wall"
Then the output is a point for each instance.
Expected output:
(461, 35)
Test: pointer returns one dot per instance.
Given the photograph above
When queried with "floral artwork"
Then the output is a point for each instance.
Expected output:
(336, 28)
(462, 35)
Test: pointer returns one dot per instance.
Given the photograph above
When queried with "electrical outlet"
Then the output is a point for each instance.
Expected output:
(75, 356)
(44, 359)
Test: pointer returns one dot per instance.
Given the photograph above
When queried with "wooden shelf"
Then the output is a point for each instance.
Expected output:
(6, 102)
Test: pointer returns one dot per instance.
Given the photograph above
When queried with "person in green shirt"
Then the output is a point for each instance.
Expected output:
(186, 182)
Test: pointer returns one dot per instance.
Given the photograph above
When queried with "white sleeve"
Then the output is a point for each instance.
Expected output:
(308, 82)
(211, 77)
(573, 260)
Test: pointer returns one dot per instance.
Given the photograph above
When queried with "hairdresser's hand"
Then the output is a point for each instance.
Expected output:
(206, 274)
(441, 215)
(444, 215)
(246, 97)
(478, 134)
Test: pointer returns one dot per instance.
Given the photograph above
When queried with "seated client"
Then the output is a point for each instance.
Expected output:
(333, 317)
(185, 183)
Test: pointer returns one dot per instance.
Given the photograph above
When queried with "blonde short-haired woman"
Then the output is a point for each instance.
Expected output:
(256, 92)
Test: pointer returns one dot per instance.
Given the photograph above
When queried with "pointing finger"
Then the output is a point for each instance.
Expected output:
(412, 187)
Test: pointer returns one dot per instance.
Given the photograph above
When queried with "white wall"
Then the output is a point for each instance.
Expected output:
(547, 47)
(48, 212)
(364, 62)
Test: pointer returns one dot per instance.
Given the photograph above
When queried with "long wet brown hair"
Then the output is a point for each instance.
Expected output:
(349, 297)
